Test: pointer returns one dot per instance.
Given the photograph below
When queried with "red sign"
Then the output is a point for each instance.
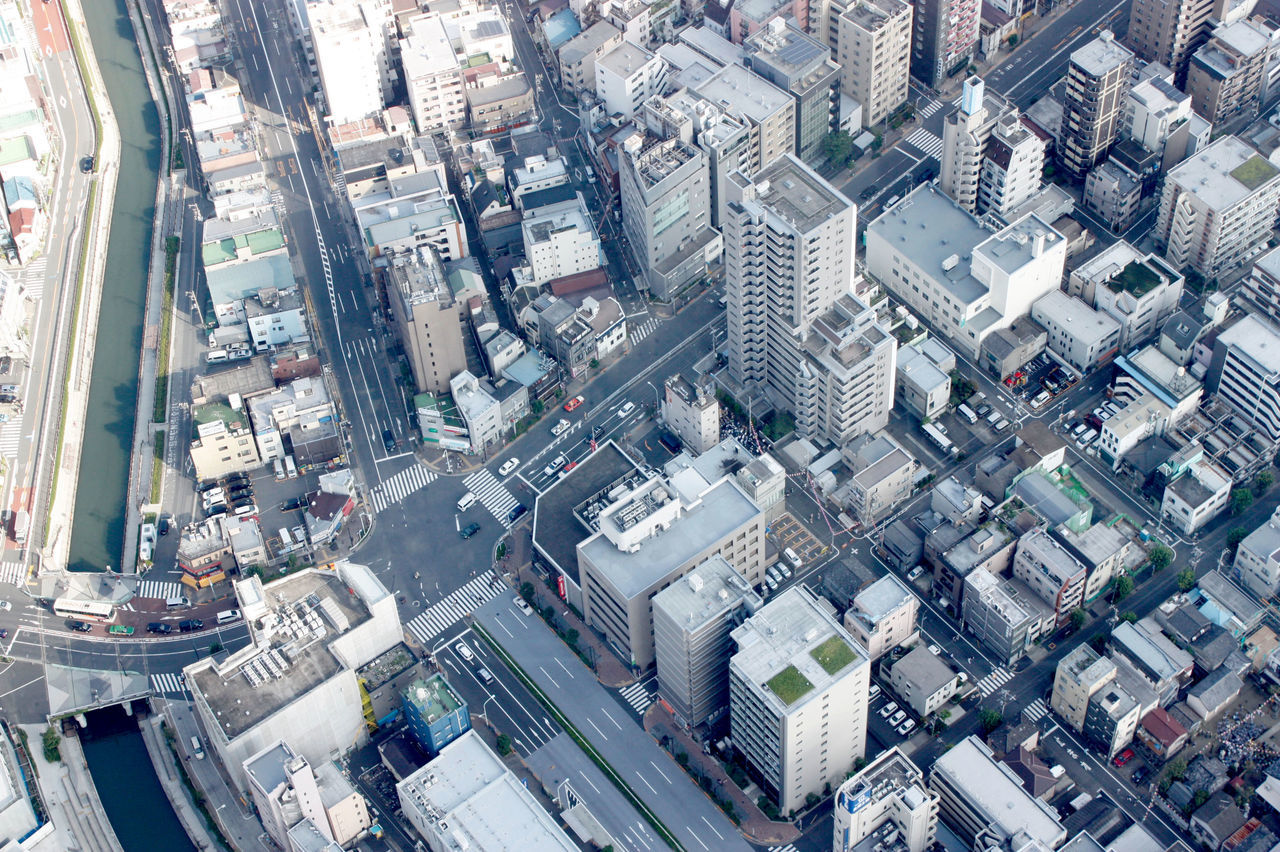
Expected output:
(560, 586)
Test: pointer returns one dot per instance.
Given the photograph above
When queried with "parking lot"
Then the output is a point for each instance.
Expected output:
(1041, 380)
(790, 533)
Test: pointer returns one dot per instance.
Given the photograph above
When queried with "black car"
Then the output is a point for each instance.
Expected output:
(164, 525)
(79, 626)
(469, 530)
(159, 627)
(1139, 775)
(516, 512)
(292, 504)
(237, 494)
(86, 165)
(236, 480)
(388, 441)
(190, 624)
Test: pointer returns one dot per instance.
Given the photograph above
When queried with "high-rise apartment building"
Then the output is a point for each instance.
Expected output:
(1218, 207)
(692, 620)
(666, 212)
(352, 55)
(801, 65)
(889, 795)
(873, 43)
(1098, 80)
(1080, 674)
(1170, 31)
(432, 76)
(796, 331)
(798, 697)
(1245, 373)
(944, 37)
(991, 161)
(427, 319)
(1225, 77)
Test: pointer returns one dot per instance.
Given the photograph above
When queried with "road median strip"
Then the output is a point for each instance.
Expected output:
(572, 731)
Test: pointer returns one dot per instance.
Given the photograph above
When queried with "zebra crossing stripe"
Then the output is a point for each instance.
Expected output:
(929, 109)
(14, 573)
(158, 589)
(166, 683)
(10, 438)
(454, 607)
(395, 488)
(994, 681)
(637, 695)
(1036, 710)
(644, 330)
(492, 493)
(928, 142)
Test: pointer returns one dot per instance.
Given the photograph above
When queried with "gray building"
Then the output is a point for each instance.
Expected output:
(1004, 615)
(1111, 718)
(692, 620)
(923, 681)
(666, 212)
(1098, 80)
(801, 65)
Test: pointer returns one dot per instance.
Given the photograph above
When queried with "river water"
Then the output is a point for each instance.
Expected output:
(131, 793)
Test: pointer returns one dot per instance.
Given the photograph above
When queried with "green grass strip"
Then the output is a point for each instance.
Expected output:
(596, 757)
(161, 402)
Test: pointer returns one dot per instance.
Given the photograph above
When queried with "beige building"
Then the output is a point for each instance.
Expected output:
(1080, 674)
(798, 697)
(883, 616)
(427, 319)
(1169, 31)
(652, 535)
(578, 56)
(286, 791)
(883, 476)
(224, 442)
(1098, 80)
(692, 412)
(432, 76)
(873, 45)
(1225, 77)
(888, 795)
(1050, 570)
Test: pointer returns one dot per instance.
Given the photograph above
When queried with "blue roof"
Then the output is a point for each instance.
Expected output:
(529, 368)
(561, 28)
(19, 188)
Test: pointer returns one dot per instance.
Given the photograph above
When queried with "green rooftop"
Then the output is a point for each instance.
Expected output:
(212, 411)
(1136, 278)
(258, 242)
(1254, 172)
(789, 685)
(15, 149)
(833, 654)
(433, 697)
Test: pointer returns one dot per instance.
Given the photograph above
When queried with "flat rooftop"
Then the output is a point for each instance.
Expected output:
(625, 59)
(995, 790)
(433, 697)
(705, 594)
(881, 598)
(929, 228)
(1101, 55)
(485, 806)
(306, 611)
(793, 648)
(1224, 174)
(720, 510)
(1081, 321)
(799, 195)
(745, 93)
(1255, 339)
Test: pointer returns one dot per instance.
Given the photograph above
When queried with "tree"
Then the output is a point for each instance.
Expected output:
(838, 147)
(1186, 579)
(1122, 588)
(1234, 536)
(503, 744)
(571, 636)
(1263, 481)
(1078, 618)
(990, 720)
(215, 648)
(1241, 500)
(1159, 557)
(1129, 616)
(51, 742)
(526, 591)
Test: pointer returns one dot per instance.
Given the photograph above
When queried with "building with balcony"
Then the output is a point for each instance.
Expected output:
(801, 65)
(1225, 76)
(1138, 291)
(426, 318)
(1098, 79)
(882, 616)
(944, 38)
(887, 795)
(872, 41)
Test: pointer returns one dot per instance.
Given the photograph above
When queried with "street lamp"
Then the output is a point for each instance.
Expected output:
(657, 403)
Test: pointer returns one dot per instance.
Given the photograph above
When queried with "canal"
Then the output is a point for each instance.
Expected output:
(122, 771)
(97, 536)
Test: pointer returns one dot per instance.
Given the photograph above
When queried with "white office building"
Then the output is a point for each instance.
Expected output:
(1139, 291)
(560, 239)
(353, 57)
(887, 796)
(1245, 373)
(1218, 207)
(798, 697)
(1258, 558)
(1079, 335)
(433, 76)
(626, 77)
(1263, 286)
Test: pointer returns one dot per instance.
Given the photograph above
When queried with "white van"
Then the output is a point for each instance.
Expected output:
(279, 466)
(217, 356)
(285, 540)
(228, 615)
(792, 557)
(468, 500)
(176, 602)
(291, 467)
(196, 749)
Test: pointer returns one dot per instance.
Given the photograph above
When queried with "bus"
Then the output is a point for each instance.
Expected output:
(942, 441)
(83, 610)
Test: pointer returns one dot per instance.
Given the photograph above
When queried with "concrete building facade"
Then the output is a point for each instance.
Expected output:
(427, 320)
(1098, 80)
(872, 40)
(889, 792)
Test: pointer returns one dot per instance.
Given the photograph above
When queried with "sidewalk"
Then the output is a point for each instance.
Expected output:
(753, 824)
(162, 759)
(69, 793)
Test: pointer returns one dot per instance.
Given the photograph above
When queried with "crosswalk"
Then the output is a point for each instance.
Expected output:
(395, 488)
(158, 589)
(167, 684)
(10, 438)
(994, 681)
(13, 573)
(929, 108)
(643, 330)
(638, 696)
(33, 277)
(929, 143)
(790, 847)
(455, 606)
(1035, 711)
(492, 493)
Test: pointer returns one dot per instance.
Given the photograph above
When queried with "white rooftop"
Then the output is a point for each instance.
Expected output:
(1224, 174)
(998, 793)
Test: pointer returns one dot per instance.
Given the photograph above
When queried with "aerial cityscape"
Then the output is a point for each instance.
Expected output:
(627, 425)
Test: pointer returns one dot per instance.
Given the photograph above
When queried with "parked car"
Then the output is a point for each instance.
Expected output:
(79, 626)
(897, 718)
(889, 709)
(190, 624)
(906, 727)
(469, 530)
(159, 627)
(874, 692)
(935, 650)
(517, 511)
(1123, 757)
(574, 403)
(1139, 776)
(86, 165)
(915, 572)
(522, 605)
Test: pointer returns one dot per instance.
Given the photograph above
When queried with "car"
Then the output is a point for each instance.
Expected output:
(469, 530)
(868, 192)
(508, 466)
(982, 410)
(522, 605)
(216, 509)
(771, 583)
(164, 525)
(906, 727)
(898, 718)
(517, 511)
(915, 572)
(190, 624)
(573, 403)
(889, 709)
(6, 606)
(626, 409)
(561, 427)
(1123, 757)
(159, 627)
(388, 441)
(874, 691)
(79, 626)
(940, 426)
(555, 465)
(464, 652)
(4, 634)
(964, 677)
(86, 165)
(292, 504)
(1139, 775)
(935, 650)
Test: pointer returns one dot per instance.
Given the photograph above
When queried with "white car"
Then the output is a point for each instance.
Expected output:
(906, 727)
(889, 709)
(464, 652)
(5, 606)
(874, 692)
(522, 605)
(897, 718)
(915, 572)
(560, 428)
(626, 409)
(935, 650)
(508, 466)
